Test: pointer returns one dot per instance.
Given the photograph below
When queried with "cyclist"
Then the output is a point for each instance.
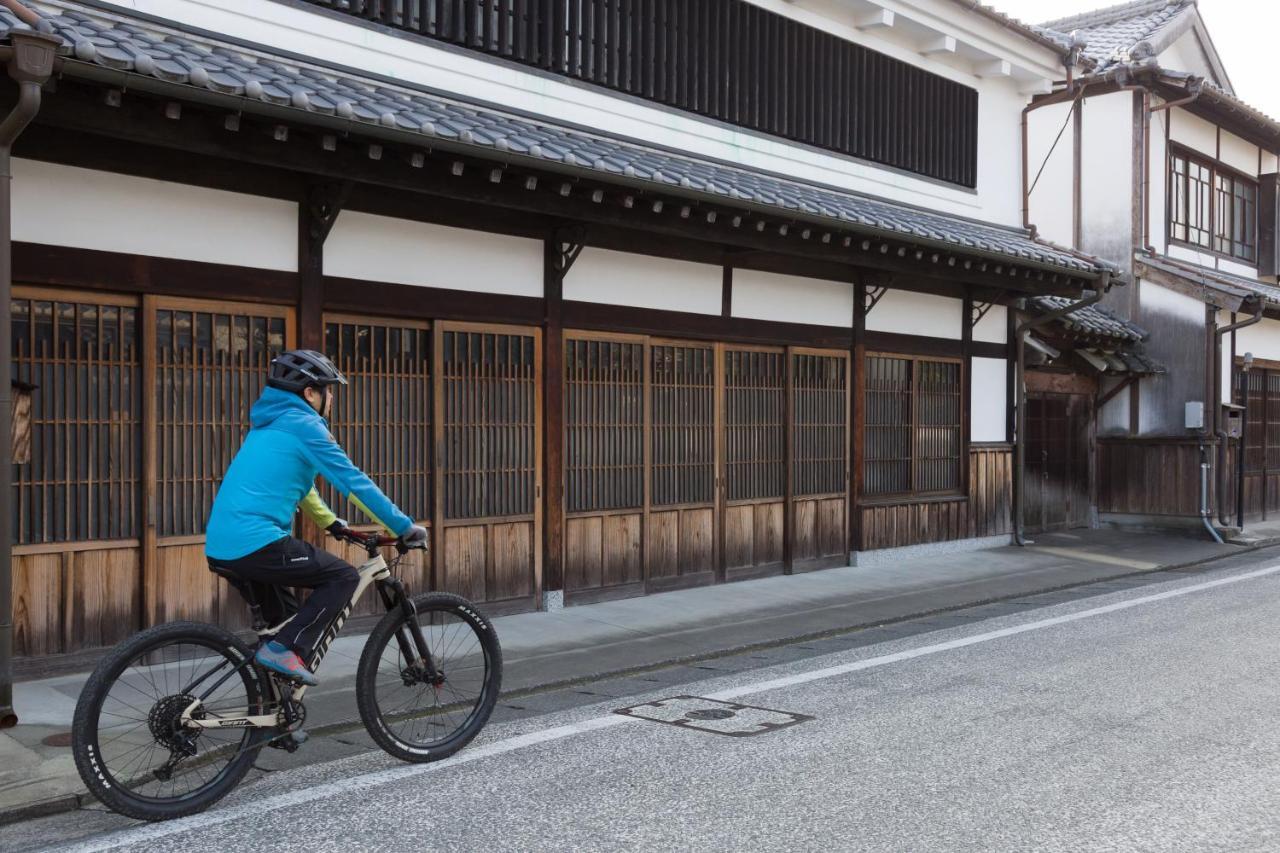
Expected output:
(273, 474)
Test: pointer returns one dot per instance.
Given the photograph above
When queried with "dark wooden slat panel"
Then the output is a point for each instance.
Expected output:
(728, 59)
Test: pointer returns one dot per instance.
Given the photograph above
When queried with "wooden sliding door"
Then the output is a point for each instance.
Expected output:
(681, 538)
(755, 461)
(205, 365)
(819, 458)
(679, 456)
(605, 454)
(489, 452)
(383, 420)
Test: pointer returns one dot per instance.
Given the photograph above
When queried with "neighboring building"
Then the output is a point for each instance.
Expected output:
(1173, 178)
(644, 296)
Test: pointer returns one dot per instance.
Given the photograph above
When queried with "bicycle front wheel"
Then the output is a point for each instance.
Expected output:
(130, 744)
(412, 716)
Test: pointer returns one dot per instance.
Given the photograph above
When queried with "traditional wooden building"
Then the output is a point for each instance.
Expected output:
(633, 294)
(1174, 178)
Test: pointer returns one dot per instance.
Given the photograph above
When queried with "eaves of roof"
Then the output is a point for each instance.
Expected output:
(124, 51)
(1055, 41)
(1237, 289)
(1224, 106)
(1094, 321)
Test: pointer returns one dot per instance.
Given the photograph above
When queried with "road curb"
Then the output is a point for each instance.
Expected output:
(72, 802)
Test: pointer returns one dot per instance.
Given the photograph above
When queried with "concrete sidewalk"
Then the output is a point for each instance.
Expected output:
(543, 650)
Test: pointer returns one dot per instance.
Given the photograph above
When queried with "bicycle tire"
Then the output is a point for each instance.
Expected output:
(434, 610)
(121, 795)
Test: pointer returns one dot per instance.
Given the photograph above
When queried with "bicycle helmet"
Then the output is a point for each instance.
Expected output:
(299, 369)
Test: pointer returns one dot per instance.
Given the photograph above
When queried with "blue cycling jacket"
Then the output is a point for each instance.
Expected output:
(287, 446)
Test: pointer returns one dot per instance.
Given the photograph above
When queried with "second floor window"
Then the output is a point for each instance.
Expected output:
(1212, 207)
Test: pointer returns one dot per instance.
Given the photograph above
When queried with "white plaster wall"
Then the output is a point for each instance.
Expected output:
(299, 30)
(1186, 54)
(1193, 132)
(1107, 177)
(908, 313)
(791, 299)
(988, 392)
(1051, 199)
(993, 328)
(1237, 268)
(1239, 154)
(400, 251)
(1270, 163)
(1161, 300)
(1157, 224)
(639, 281)
(88, 209)
(1261, 339)
(1224, 380)
(1190, 255)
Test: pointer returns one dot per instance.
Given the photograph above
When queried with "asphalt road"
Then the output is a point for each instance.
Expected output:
(1140, 719)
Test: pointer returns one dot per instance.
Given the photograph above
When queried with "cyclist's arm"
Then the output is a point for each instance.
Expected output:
(317, 510)
(354, 485)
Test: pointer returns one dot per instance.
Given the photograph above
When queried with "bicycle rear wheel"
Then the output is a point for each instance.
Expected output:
(407, 715)
(130, 746)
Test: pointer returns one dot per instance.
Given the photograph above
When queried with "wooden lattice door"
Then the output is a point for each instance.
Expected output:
(819, 458)
(755, 461)
(204, 365)
(681, 544)
(383, 420)
(605, 463)
(489, 462)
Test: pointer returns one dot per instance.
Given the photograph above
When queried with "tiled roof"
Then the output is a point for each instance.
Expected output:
(1036, 32)
(188, 65)
(1093, 321)
(1112, 34)
(1226, 282)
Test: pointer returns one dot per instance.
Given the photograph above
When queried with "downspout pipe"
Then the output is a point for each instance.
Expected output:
(30, 64)
(1220, 333)
(1020, 391)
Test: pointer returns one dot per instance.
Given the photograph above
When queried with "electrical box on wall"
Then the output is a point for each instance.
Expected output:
(1195, 415)
(1233, 420)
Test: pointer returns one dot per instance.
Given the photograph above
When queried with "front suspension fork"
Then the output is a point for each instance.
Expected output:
(413, 644)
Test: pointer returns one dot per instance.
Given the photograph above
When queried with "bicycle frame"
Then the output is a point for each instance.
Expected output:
(375, 571)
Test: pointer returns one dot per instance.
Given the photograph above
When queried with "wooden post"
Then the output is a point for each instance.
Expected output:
(857, 415)
(560, 251)
(317, 214)
(966, 393)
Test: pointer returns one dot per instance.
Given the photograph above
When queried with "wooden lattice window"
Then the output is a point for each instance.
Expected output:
(489, 414)
(1212, 207)
(82, 479)
(913, 426)
(684, 421)
(754, 410)
(604, 425)
(210, 367)
(383, 418)
(819, 389)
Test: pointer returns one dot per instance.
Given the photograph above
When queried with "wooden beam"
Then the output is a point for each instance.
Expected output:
(317, 213)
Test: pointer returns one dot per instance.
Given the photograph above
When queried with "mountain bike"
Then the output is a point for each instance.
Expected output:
(173, 718)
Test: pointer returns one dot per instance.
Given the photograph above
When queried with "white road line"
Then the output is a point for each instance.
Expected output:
(155, 832)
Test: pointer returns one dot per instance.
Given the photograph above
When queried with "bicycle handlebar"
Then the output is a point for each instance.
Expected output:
(372, 541)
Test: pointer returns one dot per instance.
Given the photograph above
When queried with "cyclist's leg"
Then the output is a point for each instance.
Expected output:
(293, 562)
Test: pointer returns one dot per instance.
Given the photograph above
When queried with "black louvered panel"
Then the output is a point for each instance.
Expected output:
(726, 59)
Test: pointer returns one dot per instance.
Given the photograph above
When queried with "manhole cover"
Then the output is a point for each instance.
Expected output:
(711, 715)
(60, 739)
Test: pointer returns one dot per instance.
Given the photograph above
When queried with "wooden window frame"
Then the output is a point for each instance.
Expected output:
(913, 494)
(1216, 170)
